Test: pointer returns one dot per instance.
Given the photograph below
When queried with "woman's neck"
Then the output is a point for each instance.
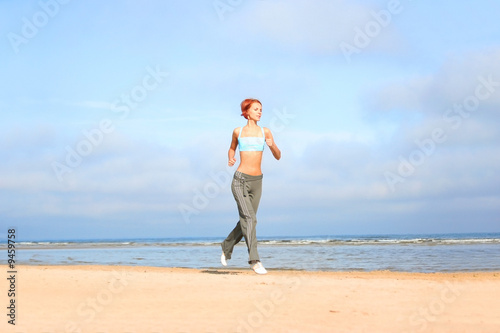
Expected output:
(251, 123)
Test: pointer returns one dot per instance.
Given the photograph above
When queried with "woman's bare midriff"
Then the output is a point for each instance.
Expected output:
(250, 162)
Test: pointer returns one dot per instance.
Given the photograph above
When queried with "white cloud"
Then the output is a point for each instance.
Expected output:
(454, 82)
(318, 26)
(97, 105)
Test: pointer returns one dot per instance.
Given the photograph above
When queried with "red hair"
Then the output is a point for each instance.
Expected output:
(246, 104)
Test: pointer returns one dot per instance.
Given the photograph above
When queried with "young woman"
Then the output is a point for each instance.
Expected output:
(247, 181)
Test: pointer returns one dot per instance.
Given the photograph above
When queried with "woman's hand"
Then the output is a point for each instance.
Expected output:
(231, 162)
(272, 145)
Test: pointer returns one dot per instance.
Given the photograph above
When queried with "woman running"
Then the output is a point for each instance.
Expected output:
(247, 181)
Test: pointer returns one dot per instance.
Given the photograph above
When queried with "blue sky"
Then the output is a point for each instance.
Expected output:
(117, 116)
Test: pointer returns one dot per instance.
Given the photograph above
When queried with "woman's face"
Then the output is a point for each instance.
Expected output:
(255, 111)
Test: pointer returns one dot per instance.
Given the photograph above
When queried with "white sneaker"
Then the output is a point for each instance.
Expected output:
(259, 269)
(223, 259)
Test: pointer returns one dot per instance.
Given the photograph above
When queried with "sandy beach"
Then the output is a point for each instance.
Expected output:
(145, 299)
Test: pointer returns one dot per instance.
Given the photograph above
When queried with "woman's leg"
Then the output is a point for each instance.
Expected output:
(231, 240)
(254, 192)
(247, 192)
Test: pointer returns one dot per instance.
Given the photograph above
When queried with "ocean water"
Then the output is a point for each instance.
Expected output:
(405, 253)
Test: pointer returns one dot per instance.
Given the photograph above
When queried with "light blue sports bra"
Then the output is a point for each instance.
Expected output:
(251, 143)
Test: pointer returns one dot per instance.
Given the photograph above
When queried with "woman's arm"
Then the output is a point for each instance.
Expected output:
(232, 148)
(272, 145)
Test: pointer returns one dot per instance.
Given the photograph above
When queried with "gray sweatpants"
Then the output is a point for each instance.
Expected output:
(247, 191)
